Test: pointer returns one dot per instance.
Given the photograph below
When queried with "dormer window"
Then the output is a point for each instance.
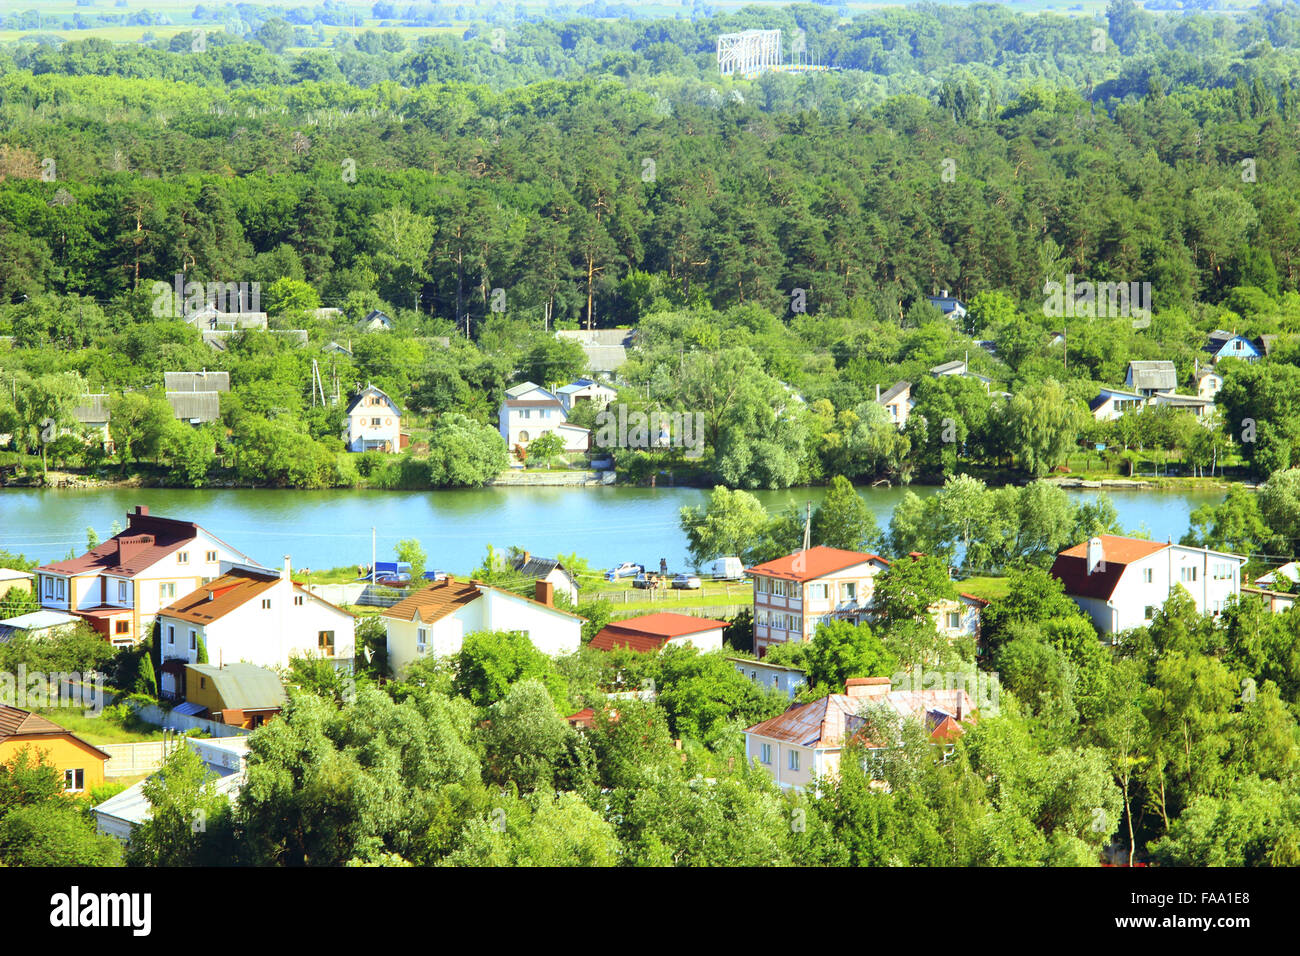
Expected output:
(182, 557)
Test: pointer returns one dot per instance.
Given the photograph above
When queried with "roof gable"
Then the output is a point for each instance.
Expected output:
(814, 563)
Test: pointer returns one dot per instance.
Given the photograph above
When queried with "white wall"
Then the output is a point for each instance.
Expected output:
(1134, 594)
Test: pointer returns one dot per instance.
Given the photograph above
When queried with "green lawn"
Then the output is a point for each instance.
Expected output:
(985, 587)
(101, 729)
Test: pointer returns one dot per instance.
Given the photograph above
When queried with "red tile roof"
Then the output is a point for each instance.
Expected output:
(436, 601)
(219, 597)
(814, 563)
(1071, 565)
(652, 631)
(146, 540)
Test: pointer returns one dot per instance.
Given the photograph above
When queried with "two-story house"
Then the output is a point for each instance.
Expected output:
(1151, 378)
(120, 585)
(529, 411)
(1221, 345)
(434, 620)
(252, 615)
(793, 594)
(806, 742)
(374, 422)
(1121, 582)
(897, 402)
(585, 390)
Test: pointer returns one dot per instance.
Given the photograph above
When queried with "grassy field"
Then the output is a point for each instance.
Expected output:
(985, 587)
(101, 729)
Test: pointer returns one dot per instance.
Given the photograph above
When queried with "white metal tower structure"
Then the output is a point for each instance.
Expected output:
(749, 52)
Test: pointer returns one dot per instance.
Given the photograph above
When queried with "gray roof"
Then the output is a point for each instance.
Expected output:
(210, 318)
(606, 349)
(195, 406)
(949, 368)
(538, 567)
(1160, 375)
(898, 388)
(204, 381)
(243, 686)
(92, 411)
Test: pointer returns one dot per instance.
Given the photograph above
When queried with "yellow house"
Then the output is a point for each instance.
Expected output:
(81, 764)
(11, 579)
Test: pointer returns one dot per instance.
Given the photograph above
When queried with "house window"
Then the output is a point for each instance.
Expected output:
(122, 627)
(1148, 612)
(1187, 574)
(171, 633)
(297, 600)
(954, 620)
(166, 591)
(374, 422)
(816, 592)
(422, 637)
(212, 557)
(121, 592)
(266, 604)
(194, 640)
(325, 641)
(765, 753)
(794, 760)
(1147, 575)
(182, 557)
(203, 683)
(1222, 571)
(74, 780)
(850, 590)
(59, 589)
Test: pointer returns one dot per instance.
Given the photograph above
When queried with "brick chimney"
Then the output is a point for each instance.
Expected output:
(545, 592)
(867, 687)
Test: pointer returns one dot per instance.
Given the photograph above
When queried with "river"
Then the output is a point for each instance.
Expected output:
(326, 529)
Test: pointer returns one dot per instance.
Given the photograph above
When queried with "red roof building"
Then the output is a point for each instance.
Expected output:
(654, 632)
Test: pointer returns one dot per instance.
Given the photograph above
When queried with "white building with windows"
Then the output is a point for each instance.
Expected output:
(121, 584)
(255, 616)
(434, 620)
(374, 422)
(530, 411)
(1122, 582)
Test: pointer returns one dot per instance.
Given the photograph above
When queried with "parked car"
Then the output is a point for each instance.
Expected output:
(644, 580)
(624, 570)
(687, 582)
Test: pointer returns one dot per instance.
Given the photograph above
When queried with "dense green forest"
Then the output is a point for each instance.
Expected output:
(780, 233)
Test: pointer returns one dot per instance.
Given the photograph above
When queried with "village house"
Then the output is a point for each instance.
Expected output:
(434, 620)
(1151, 378)
(376, 321)
(1221, 345)
(585, 390)
(1208, 382)
(793, 595)
(40, 624)
(121, 584)
(1122, 582)
(240, 695)
(549, 570)
(202, 381)
(92, 414)
(530, 411)
(606, 349)
(374, 422)
(81, 764)
(951, 306)
(897, 402)
(787, 680)
(254, 615)
(1111, 403)
(15, 580)
(654, 632)
(807, 741)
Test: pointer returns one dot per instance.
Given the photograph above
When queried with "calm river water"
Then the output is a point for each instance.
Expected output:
(325, 529)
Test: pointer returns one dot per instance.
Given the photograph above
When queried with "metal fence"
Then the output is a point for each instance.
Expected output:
(129, 760)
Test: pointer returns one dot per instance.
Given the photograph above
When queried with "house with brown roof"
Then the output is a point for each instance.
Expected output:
(81, 764)
(252, 615)
(433, 621)
(1121, 582)
(654, 632)
(119, 585)
(807, 741)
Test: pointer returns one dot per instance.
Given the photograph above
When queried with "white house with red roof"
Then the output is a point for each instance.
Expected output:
(433, 621)
(806, 741)
(119, 585)
(1121, 582)
(251, 615)
(654, 632)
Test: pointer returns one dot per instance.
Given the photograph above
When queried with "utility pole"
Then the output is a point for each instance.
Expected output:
(372, 556)
(807, 526)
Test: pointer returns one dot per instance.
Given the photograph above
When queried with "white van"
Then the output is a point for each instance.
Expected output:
(728, 569)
